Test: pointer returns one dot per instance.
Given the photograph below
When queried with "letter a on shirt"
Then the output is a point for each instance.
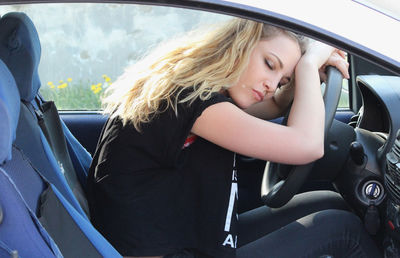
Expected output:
(231, 240)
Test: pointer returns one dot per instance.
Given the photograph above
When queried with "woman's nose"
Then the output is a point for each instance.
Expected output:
(270, 86)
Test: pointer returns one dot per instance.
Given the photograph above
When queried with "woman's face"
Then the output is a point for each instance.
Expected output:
(271, 63)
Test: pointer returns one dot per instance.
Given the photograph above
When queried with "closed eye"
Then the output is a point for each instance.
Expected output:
(269, 64)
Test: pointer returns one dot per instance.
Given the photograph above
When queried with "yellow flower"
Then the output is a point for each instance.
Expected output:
(61, 81)
(97, 90)
(99, 84)
(62, 86)
(93, 87)
(106, 78)
(69, 79)
(51, 84)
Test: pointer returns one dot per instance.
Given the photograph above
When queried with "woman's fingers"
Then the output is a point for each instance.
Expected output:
(342, 54)
(337, 60)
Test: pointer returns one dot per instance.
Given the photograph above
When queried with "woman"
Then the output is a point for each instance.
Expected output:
(163, 179)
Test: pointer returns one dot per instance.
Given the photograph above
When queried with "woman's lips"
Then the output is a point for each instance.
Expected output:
(258, 95)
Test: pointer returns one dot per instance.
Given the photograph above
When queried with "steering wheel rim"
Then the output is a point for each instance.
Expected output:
(277, 191)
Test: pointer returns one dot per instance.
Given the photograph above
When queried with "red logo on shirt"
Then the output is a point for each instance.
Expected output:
(189, 140)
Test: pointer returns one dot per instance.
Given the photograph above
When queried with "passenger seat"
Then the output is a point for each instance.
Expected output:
(21, 233)
(36, 220)
(47, 149)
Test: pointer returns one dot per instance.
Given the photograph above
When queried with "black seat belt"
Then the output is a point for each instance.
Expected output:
(49, 122)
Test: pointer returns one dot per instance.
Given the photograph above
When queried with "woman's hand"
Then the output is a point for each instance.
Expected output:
(324, 55)
(338, 60)
(284, 95)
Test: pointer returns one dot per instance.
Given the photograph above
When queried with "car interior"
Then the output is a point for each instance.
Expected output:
(45, 154)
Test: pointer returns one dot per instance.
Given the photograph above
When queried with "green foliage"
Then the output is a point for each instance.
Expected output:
(72, 95)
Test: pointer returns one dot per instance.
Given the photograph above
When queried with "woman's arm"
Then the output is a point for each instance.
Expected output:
(301, 141)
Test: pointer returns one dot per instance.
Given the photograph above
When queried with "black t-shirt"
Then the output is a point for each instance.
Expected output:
(149, 195)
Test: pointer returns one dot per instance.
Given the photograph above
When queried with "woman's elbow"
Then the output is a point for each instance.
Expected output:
(310, 152)
(315, 151)
(320, 151)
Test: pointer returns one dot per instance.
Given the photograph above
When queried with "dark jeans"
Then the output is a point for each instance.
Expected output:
(314, 224)
(328, 233)
(261, 221)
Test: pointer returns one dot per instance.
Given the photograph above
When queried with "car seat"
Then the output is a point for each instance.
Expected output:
(34, 212)
(21, 234)
(49, 149)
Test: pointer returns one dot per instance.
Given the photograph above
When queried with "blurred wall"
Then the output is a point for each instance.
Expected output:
(85, 41)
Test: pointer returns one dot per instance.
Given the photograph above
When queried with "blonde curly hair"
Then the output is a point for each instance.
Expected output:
(208, 63)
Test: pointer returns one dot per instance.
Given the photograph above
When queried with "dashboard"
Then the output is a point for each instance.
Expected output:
(361, 178)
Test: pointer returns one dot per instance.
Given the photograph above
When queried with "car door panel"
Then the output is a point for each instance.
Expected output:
(86, 127)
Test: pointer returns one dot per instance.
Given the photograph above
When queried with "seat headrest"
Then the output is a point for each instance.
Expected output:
(20, 50)
(9, 112)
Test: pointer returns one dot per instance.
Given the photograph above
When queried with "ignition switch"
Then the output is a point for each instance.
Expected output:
(372, 190)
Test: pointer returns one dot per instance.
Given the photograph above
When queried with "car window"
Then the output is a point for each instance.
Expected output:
(86, 46)
(344, 97)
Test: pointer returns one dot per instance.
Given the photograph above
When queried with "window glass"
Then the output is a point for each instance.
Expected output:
(344, 97)
(86, 46)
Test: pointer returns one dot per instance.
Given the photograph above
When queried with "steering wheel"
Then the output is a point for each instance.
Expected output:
(281, 182)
